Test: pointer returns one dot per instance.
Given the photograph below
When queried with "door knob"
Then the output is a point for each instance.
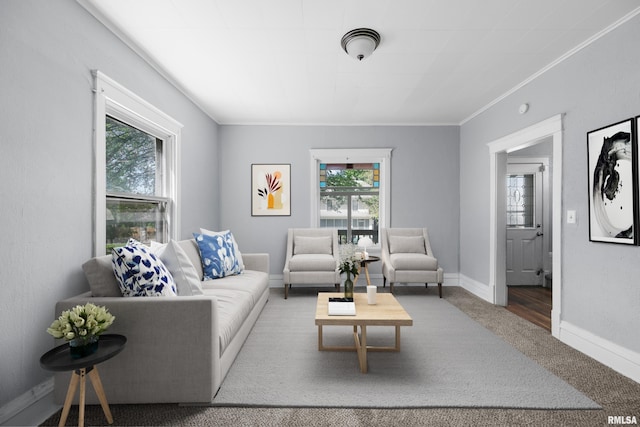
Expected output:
(539, 233)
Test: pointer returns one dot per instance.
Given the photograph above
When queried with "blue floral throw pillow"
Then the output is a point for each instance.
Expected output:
(218, 255)
(140, 273)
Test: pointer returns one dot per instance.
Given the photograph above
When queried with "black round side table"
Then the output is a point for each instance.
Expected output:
(59, 359)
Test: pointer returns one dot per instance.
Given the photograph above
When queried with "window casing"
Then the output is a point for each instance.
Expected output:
(136, 169)
(359, 220)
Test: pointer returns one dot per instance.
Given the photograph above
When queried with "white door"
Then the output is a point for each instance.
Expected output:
(525, 228)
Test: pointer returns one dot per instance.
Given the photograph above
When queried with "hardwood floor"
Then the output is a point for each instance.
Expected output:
(532, 303)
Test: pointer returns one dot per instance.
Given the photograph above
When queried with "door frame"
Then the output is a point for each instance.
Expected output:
(498, 151)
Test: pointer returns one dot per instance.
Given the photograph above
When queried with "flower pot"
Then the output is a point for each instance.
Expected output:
(83, 346)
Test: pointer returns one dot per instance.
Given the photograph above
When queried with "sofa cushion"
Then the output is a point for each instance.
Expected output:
(312, 245)
(181, 268)
(140, 273)
(233, 308)
(249, 281)
(233, 239)
(409, 261)
(218, 255)
(99, 274)
(406, 244)
(312, 262)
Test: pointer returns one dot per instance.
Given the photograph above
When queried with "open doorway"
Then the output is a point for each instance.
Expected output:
(499, 150)
(528, 234)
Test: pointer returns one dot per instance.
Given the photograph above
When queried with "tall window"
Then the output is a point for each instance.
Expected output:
(349, 199)
(136, 169)
(351, 191)
(136, 205)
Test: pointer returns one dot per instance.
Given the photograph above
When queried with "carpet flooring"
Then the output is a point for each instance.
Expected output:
(446, 360)
(618, 395)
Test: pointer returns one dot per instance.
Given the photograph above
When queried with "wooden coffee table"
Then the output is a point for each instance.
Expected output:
(386, 312)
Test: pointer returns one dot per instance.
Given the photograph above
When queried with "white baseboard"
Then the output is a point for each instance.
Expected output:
(618, 358)
(276, 280)
(25, 400)
(479, 289)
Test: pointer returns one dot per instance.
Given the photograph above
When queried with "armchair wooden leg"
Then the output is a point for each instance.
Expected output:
(391, 287)
(440, 289)
(286, 291)
(384, 281)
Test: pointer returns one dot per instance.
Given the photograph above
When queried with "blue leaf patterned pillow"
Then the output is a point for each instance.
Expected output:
(140, 273)
(218, 255)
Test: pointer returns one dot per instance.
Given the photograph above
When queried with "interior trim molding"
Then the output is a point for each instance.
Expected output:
(25, 400)
(618, 358)
(553, 64)
(479, 289)
(498, 150)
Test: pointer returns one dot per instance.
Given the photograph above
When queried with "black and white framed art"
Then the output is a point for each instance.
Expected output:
(613, 183)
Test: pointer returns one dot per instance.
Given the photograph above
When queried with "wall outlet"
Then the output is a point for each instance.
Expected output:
(571, 217)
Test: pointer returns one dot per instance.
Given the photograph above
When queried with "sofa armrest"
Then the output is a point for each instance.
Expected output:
(172, 352)
(256, 262)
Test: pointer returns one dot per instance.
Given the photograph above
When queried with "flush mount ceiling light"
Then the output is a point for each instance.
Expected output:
(360, 43)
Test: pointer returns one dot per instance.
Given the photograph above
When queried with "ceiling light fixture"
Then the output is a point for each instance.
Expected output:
(360, 43)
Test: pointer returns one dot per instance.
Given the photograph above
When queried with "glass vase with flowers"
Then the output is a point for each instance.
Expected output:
(349, 265)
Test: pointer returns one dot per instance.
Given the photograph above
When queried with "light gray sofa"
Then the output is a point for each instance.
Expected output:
(179, 349)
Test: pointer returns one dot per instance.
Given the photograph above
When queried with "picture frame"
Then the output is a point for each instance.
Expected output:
(613, 183)
(270, 189)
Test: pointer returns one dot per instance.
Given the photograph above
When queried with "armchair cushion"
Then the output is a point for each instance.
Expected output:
(312, 245)
(413, 261)
(312, 262)
(406, 244)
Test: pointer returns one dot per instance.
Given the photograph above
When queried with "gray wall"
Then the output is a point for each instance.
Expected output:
(593, 88)
(424, 180)
(439, 174)
(47, 52)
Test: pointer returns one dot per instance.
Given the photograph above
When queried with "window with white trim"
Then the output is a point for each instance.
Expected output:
(351, 191)
(136, 169)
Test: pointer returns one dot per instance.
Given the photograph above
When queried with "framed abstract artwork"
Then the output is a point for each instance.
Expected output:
(613, 183)
(270, 189)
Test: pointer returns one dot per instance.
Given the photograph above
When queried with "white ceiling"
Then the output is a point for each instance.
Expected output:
(280, 61)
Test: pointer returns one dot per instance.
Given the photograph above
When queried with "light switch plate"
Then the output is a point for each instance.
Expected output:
(571, 217)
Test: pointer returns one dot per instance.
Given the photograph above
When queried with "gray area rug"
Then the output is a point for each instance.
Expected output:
(447, 360)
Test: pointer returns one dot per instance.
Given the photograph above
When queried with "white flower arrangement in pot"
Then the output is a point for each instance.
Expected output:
(81, 326)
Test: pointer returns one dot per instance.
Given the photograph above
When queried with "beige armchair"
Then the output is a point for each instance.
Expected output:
(407, 257)
(311, 258)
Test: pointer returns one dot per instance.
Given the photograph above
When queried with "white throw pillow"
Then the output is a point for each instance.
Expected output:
(406, 244)
(180, 266)
(312, 245)
(235, 244)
